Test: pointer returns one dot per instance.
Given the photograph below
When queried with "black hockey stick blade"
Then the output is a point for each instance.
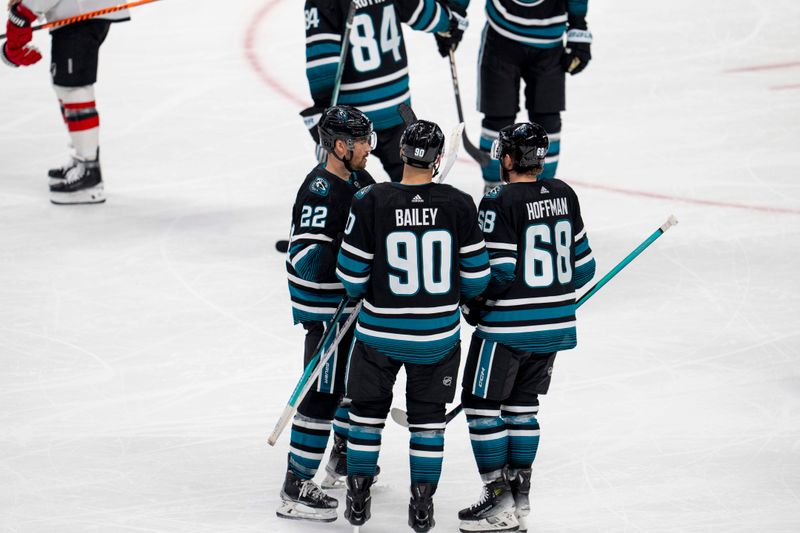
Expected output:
(407, 114)
(476, 153)
(401, 417)
(282, 246)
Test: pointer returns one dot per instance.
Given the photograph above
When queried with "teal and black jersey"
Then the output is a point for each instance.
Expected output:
(539, 254)
(318, 220)
(412, 252)
(537, 23)
(375, 77)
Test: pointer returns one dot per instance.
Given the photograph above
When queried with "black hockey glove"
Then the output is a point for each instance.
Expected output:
(577, 52)
(471, 309)
(449, 40)
(311, 116)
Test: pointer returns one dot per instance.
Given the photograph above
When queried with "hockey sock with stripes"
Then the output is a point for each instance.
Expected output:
(551, 122)
(488, 436)
(341, 420)
(426, 423)
(364, 442)
(311, 429)
(523, 434)
(79, 111)
(309, 439)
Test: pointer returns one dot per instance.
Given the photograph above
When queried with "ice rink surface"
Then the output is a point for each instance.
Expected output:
(146, 345)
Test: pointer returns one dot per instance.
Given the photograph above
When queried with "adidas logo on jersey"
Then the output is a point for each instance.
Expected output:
(544, 190)
(417, 199)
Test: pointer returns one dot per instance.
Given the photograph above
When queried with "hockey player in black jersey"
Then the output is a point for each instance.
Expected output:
(540, 255)
(318, 222)
(536, 42)
(375, 77)
(412, 250)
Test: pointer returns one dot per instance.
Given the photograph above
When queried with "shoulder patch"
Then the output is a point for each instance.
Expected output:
(320, 186)
(361, 193)
(494, 193)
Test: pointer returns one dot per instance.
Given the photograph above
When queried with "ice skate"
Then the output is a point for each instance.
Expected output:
(420, 508)
(358, 504)
(494, 511)
(82, 184)
(336, 469)
(520, 481)
(57, 175)
(304, 500)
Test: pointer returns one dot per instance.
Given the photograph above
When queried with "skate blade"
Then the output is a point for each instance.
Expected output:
(505, 521)
(93, 195)
(523, 524)
(298, 511)
(332, 482)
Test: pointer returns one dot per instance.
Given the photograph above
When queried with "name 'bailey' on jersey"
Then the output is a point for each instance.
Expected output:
(318, 219)
(539, 254)
(412, 252)
(375, 77)
(537, 23)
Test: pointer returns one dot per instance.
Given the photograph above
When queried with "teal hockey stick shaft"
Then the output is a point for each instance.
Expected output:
(671, 221)
(401, 417)
(348, 28)
(313, 369)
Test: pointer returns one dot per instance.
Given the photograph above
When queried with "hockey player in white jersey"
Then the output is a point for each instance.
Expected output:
(74, 58)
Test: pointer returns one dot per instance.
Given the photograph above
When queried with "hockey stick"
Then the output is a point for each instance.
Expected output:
(312, 372)
(348, 28)
(87, 16)
(475, 153)
(401, 417)
(283, 245)
(407, 114)
(451, 153)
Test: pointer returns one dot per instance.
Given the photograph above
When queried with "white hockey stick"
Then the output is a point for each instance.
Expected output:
(291, 408)
(451, 152)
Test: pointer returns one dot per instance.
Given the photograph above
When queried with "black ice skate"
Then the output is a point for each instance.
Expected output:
(82, 184)
(304, 500)
(494, 511)
(521, 489)
(420, 508)
(57, 175)
(359, 500)
(336, 469)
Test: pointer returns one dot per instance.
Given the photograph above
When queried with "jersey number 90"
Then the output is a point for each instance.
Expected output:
(425, 260)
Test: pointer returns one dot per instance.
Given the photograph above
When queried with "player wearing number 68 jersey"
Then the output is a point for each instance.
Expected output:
(539, 253)
(412, 250)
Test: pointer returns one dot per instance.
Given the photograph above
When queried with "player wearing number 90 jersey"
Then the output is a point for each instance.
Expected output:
(375, 77)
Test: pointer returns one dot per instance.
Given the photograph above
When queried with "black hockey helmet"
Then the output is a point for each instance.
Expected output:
(525, 142)
(346, 123)
(421, 144)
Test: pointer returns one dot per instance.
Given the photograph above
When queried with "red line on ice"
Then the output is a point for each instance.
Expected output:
(784, 87)
(252, 58)
(764, 67)
(251, 54)
(696, 201)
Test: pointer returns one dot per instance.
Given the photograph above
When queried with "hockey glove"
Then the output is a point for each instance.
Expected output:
(16, 51)
(471, 309)
(449, 40)
(311, 116)
(577, 52)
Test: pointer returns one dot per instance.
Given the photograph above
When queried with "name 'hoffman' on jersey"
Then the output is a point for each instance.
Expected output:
(412, 252)
(540, 255)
